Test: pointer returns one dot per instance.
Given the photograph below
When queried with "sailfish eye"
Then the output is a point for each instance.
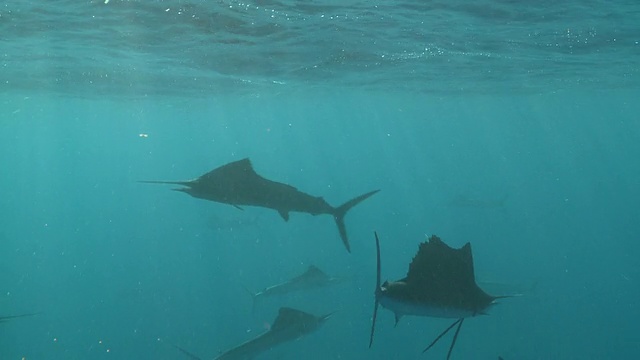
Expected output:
(385, 286)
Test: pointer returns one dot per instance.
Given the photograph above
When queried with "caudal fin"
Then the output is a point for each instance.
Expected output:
(341, 211)
(254, 298)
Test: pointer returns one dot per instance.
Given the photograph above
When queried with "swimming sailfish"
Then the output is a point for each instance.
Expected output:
(312, 278)
(290, 324)
(440, 283)
(238, 184)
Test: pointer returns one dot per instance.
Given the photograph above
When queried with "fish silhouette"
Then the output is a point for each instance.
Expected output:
(239, 185)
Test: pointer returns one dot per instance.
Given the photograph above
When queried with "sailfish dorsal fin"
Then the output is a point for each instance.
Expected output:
(234, 169)
(437, 266)
(314, 272)
(288, 317)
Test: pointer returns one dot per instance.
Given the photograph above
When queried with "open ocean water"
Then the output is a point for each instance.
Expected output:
(513, 125)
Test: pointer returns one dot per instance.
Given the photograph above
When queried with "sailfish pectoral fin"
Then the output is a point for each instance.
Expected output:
(284, 214)
(457, 322)
(455, 337)
(397, 317)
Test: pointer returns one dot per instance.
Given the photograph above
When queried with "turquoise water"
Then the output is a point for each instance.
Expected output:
(512, 126)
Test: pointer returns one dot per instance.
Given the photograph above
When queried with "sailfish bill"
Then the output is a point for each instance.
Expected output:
(440, 283)
(238, 184)
(7, 318)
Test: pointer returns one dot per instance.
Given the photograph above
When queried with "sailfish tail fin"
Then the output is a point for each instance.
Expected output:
(254, 298)
(341, 211)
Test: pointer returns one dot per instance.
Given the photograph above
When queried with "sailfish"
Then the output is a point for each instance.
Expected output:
(312, 278)
(440, 283)
(289, 325)
(238, 184)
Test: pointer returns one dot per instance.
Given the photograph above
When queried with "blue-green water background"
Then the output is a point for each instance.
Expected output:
(98, 96)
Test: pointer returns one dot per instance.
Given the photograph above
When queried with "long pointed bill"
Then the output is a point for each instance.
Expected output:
(7, 318)
(377, 292)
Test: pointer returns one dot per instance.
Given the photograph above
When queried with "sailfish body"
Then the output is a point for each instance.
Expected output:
(312, 278)
(440, 283)
(239, 185)
(289, 325)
